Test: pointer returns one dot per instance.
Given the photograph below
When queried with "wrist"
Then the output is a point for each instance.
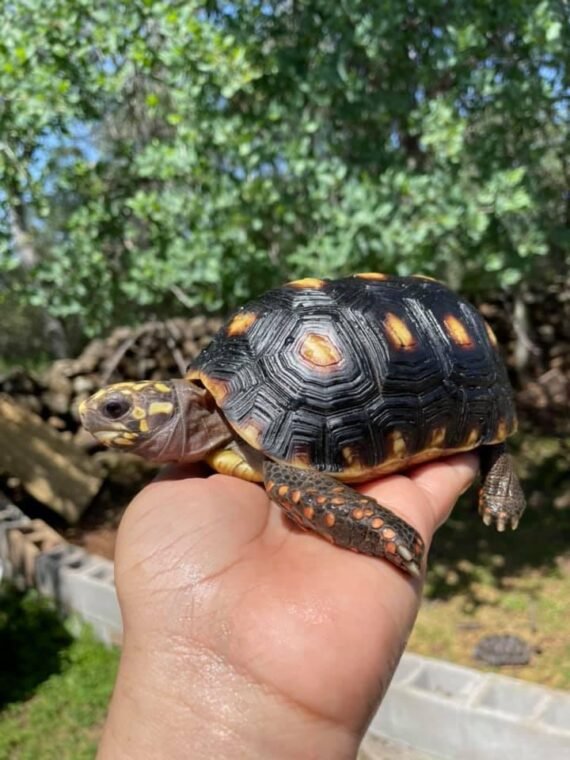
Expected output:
(181, 701)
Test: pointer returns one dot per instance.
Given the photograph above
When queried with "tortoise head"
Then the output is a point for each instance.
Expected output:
(173, 421)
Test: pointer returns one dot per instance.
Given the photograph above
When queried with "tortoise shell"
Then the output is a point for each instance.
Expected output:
(359, 376)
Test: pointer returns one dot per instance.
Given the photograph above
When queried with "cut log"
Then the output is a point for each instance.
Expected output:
(25, 544)
(50, 468)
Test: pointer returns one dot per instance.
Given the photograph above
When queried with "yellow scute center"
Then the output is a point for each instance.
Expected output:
(307, 282)
(320, 351)
(457, 331)
(371, 276)
(241, 323)
(398, 332)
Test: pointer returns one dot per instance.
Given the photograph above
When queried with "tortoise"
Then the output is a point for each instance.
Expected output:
(322, 382)
(503, 649)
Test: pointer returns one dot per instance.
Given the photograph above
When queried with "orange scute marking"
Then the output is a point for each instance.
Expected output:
(425, 277)
(218, 388)
(283, 490)
(473, 437)
(307, 282)
(437, 437)
(301, 456)
(371, 276)
(330, 520)
(250, 432)
(320, 351)
(491, 335)
(377, 522)
(348, 455)
(390, 548)
(397, 444)
(388, 533)
(398, 332)
(241, 323)
(457, 331)
(357, 513)
(502, 430)
(309, 513)
(296, 497)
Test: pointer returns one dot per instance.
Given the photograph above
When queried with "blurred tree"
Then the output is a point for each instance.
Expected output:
(159, 155)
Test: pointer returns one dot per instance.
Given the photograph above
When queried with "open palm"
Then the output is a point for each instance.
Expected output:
(231, 599)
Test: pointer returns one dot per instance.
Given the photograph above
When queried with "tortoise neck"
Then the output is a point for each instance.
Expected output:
(196, 428)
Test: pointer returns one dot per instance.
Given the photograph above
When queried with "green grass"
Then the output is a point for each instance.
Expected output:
(532, 606)
(55, 688)
(482, 582)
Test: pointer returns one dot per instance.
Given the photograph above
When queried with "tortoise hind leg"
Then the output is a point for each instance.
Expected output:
(347, 518)
(501, 498)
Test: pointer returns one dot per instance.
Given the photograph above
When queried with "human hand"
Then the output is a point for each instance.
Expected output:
(245, 637)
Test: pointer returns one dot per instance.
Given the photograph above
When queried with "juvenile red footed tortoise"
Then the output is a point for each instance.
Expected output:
(324, 381)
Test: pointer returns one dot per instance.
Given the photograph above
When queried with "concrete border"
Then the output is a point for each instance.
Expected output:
(449, 711)
(457, 712)
(79, 582)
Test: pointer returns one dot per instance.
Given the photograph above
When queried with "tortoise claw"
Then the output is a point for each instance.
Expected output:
(414, 569)
(501, 499)
(405, 553)
(411, 565)
(502, 520)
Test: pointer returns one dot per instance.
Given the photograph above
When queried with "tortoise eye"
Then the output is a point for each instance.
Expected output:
(115, 408)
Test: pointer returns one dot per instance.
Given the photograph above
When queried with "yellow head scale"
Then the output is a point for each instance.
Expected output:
(162, 421)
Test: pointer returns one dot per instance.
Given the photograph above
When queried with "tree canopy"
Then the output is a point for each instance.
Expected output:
(159, 156)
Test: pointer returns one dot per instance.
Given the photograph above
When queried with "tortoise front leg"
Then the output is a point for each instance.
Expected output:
(501, 498)
(342, 515)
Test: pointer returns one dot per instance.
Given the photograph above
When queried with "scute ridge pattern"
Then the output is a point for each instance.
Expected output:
(331, 417)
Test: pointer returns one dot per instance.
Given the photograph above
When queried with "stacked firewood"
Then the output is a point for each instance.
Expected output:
(534, 334)
(155, 350)
(45, 456)
(45, 452)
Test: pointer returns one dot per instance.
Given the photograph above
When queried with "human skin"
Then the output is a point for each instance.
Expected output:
(247, 638)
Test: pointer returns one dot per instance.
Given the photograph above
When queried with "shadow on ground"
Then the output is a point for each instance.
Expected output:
(465, 552)
(33, 642)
